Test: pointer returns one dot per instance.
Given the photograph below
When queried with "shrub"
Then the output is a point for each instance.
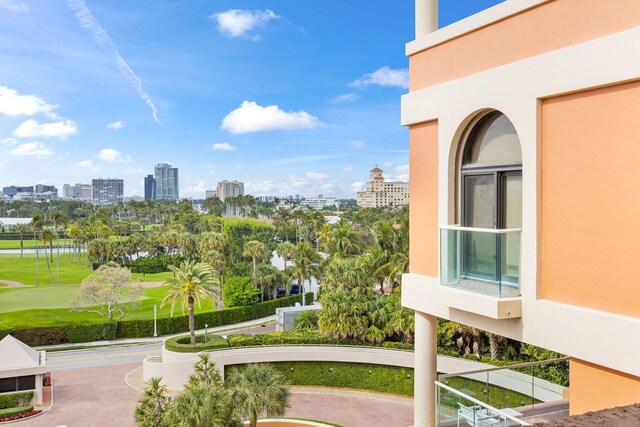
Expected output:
(154, 264)
(11, 400)
(385, 379)
(304, 337)
(239, 291)
(182, 344)
(65, 333)
(10, 412)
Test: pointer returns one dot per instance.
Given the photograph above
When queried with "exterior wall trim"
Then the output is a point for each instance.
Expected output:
(472, 23)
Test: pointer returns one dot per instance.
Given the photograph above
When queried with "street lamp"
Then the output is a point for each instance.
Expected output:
(155, 317)
(205, 332)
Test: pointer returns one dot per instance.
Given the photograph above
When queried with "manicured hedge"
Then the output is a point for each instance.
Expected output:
(362, 376)
(11, 400)
(304, 337)
(9, 412)
(137, 328)
(182, 344)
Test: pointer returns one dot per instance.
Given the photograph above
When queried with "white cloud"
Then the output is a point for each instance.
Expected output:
(347, 97)
(14, 6)
(14, 104)
(348, 168)
(356, 143)
(91, 24)
(196, 191)
(238, 23)
(32, 128)
(316, 175)
(306, 159)
(113, 155)
(116, 125)
(251, 117)
(357, 186)
(133, 171)
(88, 164)
(402, 169)
(33, 149)
(223, 146)
(384, 76)
(8, 141)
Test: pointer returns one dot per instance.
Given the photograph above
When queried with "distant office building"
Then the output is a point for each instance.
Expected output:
(149, 187)
(229, 189)
(319, 202)
(210, 193)
(166, 182)
(108, 191)
(82, 192)
(47, 190)
(379, 193)
(12, 190)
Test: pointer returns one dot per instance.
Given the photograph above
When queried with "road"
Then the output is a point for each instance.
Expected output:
(91, 357)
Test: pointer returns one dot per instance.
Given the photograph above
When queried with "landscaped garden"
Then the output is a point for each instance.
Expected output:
(14, 406)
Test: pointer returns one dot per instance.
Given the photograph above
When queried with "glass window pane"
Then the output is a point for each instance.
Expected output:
(7, 384)
(27, 383)
(494, 141)
(479, 201)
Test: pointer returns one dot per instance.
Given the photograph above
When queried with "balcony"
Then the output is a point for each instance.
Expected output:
(484, 261)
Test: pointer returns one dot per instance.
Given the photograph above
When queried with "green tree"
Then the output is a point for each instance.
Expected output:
(255, 250)
(258, 389)
(285, 251)
(60, 222)
(191, 283)
(21, 229)
(48, 237)
(307, 320)
(305, 263)
(37, 223)
(153, 404)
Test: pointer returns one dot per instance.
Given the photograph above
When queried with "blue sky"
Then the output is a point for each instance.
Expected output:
(289, 96)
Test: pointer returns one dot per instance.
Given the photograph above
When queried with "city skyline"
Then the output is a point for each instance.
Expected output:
(100, 89)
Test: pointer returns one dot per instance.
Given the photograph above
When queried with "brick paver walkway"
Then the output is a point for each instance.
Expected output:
(98, 397)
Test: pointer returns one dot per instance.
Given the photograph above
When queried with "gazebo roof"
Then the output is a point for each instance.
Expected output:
(15, 354)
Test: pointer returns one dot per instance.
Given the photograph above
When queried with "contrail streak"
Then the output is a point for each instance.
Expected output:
(90, 23)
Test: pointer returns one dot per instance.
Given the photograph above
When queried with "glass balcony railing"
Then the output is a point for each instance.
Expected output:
(485, 261)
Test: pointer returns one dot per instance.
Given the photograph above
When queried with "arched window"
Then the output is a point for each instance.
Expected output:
(491, 174)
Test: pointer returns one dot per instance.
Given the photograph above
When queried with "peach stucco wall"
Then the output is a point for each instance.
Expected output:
(590, 199)
(548, 27)
(423, 196)
(594, 387)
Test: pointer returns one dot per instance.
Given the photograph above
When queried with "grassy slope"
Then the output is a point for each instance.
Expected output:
(48, 305)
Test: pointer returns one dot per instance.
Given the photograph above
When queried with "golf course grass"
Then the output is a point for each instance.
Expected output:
(48, 305)
(15, 244)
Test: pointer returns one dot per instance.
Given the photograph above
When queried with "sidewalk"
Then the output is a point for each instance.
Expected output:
(163, 338)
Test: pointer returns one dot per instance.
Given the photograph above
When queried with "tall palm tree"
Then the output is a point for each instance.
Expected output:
(21, 229)
(191, 283)
(59, 222)
(285, 251)
(255, 250)
(37, 223)
(200, 406)
(304, 263)
(259, 389)
(48, 237)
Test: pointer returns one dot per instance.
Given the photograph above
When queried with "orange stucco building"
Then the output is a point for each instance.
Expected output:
(524, 201)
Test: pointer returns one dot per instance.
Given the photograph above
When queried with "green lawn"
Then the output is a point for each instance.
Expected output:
(48, 305)
(15, 244)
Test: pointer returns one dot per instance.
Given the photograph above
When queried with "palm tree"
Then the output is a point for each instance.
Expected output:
(21, 229)
(153, 404)
(255, 250)
(304, 263)
(191, 283)
(258, 389)
(37, 222)
(200, 406)
(48, 237)
(59, 222)
(285, 251)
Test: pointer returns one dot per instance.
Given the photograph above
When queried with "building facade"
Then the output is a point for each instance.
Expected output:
(229, 189)
(318, 203)
(12, 190)
(149, 187)
(210, 193)
(523, 168)
(379, 193)
(78, 191)
(107, 191)
(167, 186)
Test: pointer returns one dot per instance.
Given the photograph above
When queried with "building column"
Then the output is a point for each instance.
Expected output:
(426, 17)
(425, 372)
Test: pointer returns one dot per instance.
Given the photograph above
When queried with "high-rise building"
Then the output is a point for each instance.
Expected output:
(380, 193)
(229, 189)
(149, 187)
(12, 190)
(166, 182)
(49, 190)
(77, 192)
(524, 206)
(108, 191)
(210, 193)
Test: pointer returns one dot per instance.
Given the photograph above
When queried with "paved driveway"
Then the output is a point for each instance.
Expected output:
(98, 396)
